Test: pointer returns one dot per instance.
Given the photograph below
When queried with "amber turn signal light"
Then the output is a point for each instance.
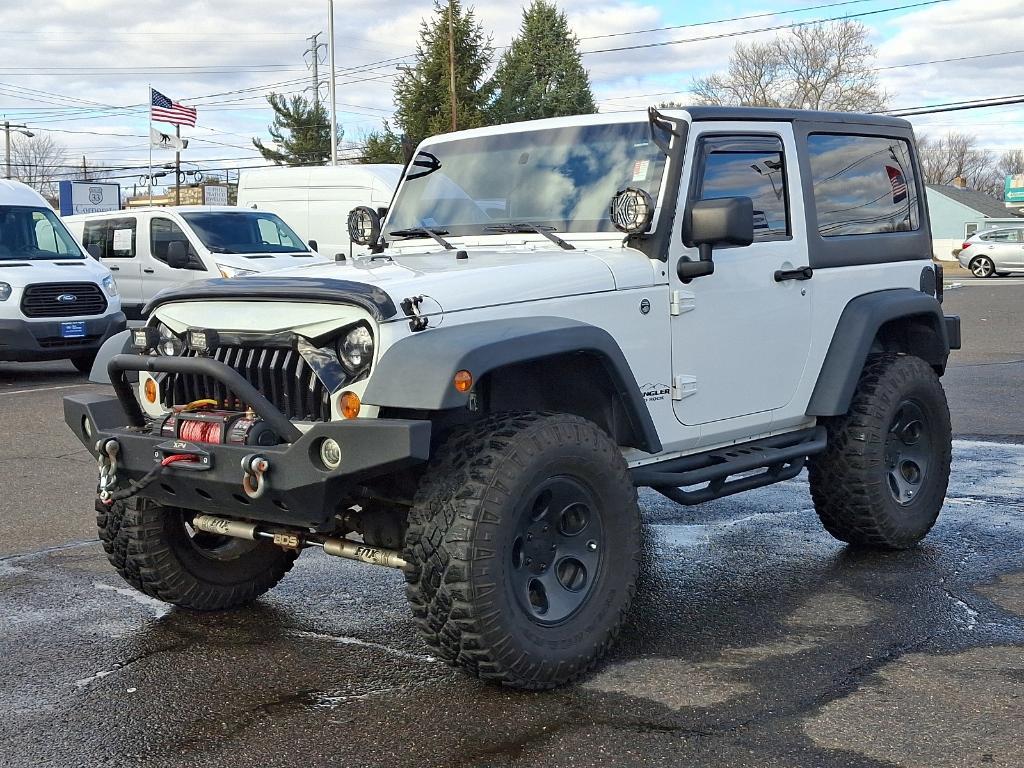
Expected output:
(349, 404)
(150, 389)
(463, 381)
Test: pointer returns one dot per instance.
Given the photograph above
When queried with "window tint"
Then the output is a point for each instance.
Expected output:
(1002, 236)
(163, 232)
(115, 238)
(863, 185)
(751, 167)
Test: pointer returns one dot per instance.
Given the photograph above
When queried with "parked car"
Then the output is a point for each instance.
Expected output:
(56, 303)
(316, 200)
(994, 252)
(149, 249)
(552, 314)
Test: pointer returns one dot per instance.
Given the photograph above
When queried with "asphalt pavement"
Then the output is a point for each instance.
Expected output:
(756, 639)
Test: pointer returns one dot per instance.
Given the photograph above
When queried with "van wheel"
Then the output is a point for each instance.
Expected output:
(84, 363)
(524, 545)
(882, 480)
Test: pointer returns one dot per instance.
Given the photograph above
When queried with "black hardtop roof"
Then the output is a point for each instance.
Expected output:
(794, 115)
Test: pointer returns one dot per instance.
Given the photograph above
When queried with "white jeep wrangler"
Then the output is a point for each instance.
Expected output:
(550, 315)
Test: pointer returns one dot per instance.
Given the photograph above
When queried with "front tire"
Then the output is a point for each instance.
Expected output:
(982, 266)
(155, 550)
(524, 541)
(882, 480)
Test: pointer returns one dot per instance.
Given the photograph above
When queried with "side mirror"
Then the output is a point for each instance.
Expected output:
(177, 254)
(313, 245)
(94, 250)
(710, 223)
(363, 225)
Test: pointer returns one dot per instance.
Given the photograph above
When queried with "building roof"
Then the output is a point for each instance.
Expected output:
(988, 206)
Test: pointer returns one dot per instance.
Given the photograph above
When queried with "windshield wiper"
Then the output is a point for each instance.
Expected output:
(435, 234)
(521, 227)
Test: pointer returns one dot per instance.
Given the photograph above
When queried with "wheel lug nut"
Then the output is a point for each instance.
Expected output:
(529, 537)
(592, 546)
(554, 547)
(543, 566)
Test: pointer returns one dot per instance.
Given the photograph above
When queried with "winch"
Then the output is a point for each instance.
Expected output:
(219, 427)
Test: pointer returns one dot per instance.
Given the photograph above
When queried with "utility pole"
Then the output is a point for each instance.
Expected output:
(334, 105)
(314, 52)
(85, 170)
(8, 127)
(451, 62)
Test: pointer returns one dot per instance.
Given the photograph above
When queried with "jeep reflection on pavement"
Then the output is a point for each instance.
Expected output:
(551, 315)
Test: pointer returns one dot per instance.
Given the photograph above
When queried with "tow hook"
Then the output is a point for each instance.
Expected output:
(107, 451)
(254, 469)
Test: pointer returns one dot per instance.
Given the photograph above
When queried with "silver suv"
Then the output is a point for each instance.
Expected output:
(995, 252)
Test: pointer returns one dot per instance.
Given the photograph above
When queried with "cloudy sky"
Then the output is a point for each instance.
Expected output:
(80, 68)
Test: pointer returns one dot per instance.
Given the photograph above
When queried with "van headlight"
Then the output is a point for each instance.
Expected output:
(5, 291)
(356, 349)
(226, 271)
(110, 286)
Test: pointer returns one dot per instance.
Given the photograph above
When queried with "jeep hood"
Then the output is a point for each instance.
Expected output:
(485, 278)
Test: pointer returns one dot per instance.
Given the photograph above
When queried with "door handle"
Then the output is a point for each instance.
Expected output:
(114, 268)
(800, 273)
(149, 271)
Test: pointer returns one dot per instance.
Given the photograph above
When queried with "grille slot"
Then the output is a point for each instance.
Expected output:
(41, 300)
(281, 375)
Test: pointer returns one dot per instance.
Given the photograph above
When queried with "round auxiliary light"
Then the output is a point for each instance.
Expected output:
(632, 210)
(349, 405)
(463, 381)
(150, 390)
(330, 453)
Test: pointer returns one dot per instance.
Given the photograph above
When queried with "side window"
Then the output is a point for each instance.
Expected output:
(1001, 236)
(46, 236)
(95, 236)
(753, 167)
(163, 232)
(115, 238)
(863, 185)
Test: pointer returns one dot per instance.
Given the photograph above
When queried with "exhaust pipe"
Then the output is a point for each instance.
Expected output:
(298, 539)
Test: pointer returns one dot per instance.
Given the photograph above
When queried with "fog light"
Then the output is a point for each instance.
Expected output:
(330, 453)
(145, 339)
(203, 340)
(349, 405)
(150, 390)
(463, 381)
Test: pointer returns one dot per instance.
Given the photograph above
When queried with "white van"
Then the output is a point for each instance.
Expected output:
(317, 200)
(56, 303)
(149, 249)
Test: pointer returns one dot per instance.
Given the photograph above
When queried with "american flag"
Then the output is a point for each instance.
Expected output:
(898, 182)
(164, 110)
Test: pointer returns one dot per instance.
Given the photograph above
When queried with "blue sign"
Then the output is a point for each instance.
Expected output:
(72, 330)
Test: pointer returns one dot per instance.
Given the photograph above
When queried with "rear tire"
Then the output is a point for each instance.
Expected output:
(156, 551)
(982, 266)
(524, 542)
(882, 480)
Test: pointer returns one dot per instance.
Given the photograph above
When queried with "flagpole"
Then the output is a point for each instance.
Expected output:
(150, 107)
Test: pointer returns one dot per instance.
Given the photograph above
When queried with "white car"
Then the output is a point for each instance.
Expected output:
(994, 252)
(552, 314)
(150, 249)
(56, 303)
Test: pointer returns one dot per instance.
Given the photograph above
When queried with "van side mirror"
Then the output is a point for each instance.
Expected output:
(313, 245)
(711, 223)
(94, 250)
(177, 254)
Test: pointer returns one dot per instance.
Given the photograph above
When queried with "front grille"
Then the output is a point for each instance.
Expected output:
(55, 300)
(281, 375)
(85, 341)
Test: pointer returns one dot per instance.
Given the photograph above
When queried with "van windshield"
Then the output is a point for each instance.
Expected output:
(28, 233)
(244, 232)
(562, 179)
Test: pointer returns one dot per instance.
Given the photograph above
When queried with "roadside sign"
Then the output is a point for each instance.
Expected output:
(215, 195)
(88, 197)
(1013, 189)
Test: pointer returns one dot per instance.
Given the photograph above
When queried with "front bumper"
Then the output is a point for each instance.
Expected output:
(299, 489)
(31, 340)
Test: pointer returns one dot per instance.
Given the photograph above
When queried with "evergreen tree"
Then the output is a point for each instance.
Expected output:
(423, 90)
(301, 132)
(540, 74)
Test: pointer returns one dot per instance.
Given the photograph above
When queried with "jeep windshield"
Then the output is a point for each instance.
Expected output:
(561, 179)
(244, 232)
(28, 233)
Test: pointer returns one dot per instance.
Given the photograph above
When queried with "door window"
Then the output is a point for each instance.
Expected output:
(863, 185)
(47, 238)
(1002, 236)
(754, 167)
(163, 232)
(114, 238)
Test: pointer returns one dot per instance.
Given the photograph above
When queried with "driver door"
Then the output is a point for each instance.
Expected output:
(741, 336)
(156, 273)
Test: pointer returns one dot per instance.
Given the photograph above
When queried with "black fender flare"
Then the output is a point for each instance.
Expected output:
(118, 344)
(855, 334)
(416, 372)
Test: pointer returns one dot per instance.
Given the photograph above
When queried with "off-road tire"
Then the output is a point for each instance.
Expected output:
(850, 481)
(464, 527)
(150, 547)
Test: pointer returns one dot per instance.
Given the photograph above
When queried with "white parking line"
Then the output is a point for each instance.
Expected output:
(42, 389)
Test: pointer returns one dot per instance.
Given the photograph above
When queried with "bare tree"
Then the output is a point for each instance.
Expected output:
(817, 66)
(39, 161)
(957, 155)
(1011, 162)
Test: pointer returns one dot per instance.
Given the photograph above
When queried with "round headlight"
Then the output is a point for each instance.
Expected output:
(356, 348)
(170, 344)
